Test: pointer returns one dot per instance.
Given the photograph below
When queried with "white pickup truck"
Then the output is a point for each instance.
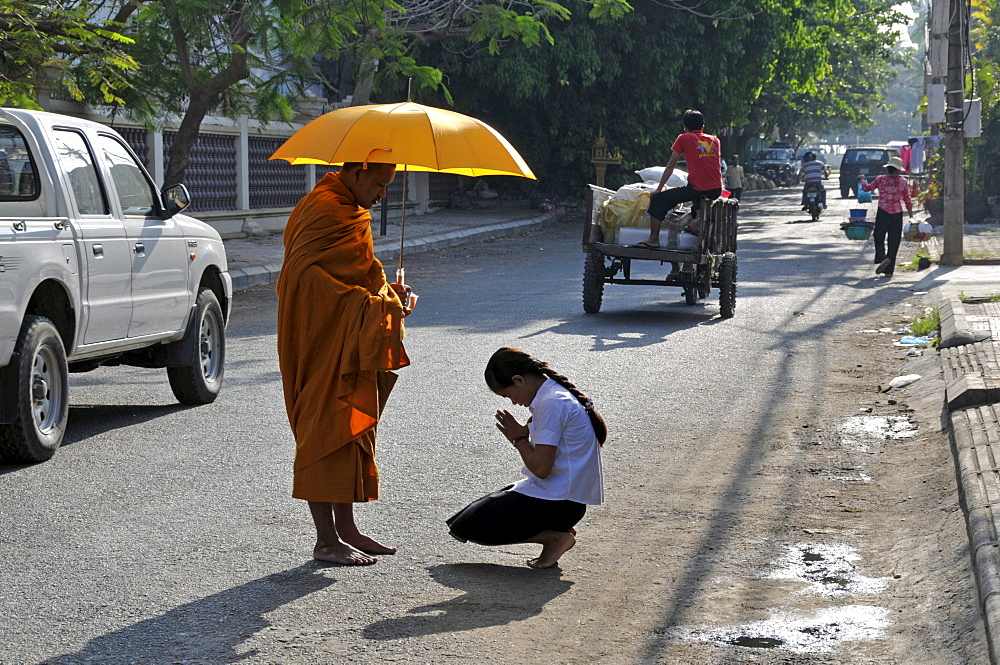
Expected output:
(97, 267)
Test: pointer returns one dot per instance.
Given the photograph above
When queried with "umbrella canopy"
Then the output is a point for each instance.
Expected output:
(413, 136)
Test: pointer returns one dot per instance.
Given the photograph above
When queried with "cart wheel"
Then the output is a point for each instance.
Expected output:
(593, 283)
(691, 295)
(727, 286)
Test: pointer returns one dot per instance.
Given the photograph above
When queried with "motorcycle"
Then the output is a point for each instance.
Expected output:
(813, 204)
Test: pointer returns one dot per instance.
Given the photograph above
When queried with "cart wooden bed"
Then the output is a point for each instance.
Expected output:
(711, 265)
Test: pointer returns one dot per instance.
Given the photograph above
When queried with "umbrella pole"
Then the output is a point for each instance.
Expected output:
(402, 228)
(402, 213)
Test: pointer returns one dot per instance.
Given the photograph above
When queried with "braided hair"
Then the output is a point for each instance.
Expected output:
(507, 363)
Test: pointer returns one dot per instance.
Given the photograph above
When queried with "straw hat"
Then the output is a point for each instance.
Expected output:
(895, 162)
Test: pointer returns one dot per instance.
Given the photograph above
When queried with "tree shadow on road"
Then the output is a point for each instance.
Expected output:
(493, 595)
(208, 630)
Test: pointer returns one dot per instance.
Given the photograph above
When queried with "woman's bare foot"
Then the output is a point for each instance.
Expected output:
(367, 544)
(343, 554)
(554, 545)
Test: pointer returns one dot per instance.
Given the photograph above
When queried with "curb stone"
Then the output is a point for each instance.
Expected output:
(973, 436)
(955, 328)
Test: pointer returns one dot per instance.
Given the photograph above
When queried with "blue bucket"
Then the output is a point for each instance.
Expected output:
(859, 213)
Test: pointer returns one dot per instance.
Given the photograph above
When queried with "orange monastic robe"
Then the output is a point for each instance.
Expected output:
(340, 330)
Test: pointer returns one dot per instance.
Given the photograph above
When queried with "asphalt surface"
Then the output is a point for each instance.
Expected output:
(970, 336)
(120, 572)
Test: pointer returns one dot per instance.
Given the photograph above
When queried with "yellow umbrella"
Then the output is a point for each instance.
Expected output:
(412, 136)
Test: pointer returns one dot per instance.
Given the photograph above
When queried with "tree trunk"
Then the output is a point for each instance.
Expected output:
(365, 82)
(187, 136)
(202, 96)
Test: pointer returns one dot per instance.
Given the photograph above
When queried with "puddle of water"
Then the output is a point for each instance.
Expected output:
(826, 569)
(819, 631)
(868, 434)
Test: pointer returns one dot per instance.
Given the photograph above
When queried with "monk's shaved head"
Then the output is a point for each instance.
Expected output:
(368, 184)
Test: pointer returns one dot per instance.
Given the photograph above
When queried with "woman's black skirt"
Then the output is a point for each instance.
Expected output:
(506, 517)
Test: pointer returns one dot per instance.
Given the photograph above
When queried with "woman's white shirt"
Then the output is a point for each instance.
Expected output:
(558, 419)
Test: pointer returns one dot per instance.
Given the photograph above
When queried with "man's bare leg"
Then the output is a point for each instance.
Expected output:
(350, 534)
(554, 545)
(329, 545)
(654, 232)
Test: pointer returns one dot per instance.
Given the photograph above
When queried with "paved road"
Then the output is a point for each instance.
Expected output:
(165, 534)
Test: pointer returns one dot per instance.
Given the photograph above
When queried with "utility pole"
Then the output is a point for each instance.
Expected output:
(954, 139)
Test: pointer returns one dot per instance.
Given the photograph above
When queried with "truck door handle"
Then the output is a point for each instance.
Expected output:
(139, 248)
(61, 225)
(99, 250)
(19, 226)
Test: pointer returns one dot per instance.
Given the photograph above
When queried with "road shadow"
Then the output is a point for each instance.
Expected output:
(633, 328)
(87, 420)
(207, 630)
(493, 595)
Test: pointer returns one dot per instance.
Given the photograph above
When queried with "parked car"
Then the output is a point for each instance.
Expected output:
(862, 160)
(97, 267)
(778, 163)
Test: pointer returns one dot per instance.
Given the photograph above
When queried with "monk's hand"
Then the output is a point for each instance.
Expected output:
(406, 296)
(509, 427)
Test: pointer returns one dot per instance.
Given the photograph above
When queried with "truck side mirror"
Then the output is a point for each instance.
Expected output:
(175, 199)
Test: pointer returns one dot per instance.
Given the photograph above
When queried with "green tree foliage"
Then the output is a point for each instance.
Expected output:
(800, 65)
(189, 58)
(983, 154)
(833, 63)
(62, 46)
(632, 77)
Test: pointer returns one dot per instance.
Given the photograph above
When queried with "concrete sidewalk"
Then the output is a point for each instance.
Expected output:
(256, 260)
(968, 300)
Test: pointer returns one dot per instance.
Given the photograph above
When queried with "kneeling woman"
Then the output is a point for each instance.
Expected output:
(560, 446)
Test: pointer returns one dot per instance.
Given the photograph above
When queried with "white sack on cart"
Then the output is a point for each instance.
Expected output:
(631, 192)
(655, 173)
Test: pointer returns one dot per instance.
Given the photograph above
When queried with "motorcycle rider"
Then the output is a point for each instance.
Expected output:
(812, 174)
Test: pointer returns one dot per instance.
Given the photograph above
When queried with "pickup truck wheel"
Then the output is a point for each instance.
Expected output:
(42, 394)
(200, 381)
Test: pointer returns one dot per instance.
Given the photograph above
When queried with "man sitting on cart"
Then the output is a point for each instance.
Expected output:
(702, 152)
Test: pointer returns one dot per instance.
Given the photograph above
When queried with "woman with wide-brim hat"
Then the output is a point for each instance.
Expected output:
(893, 193)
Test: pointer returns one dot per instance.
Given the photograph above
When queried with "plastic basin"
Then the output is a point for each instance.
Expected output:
(859, 231)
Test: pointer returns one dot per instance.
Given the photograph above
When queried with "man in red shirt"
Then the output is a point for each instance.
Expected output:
(702, 152)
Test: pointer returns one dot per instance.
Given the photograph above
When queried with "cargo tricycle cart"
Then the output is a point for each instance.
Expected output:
(706, 258)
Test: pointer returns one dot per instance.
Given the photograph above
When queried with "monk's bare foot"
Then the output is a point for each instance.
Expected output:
(343, 554)
(556, 543)
(367, 544)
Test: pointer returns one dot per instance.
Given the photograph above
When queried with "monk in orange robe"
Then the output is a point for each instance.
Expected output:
(340, 331)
